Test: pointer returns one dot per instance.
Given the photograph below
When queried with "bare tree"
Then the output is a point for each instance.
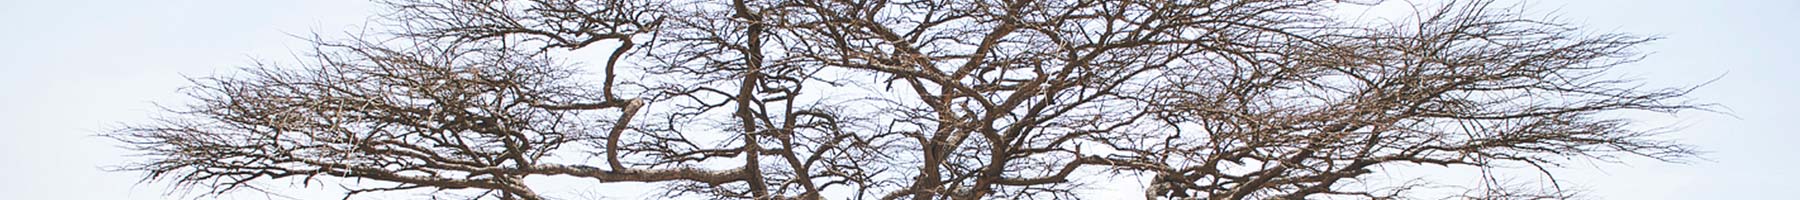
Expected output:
(919, 99)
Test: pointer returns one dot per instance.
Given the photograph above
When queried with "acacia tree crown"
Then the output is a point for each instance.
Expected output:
(917, 99)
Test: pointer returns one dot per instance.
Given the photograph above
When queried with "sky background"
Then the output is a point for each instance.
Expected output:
(70, 69)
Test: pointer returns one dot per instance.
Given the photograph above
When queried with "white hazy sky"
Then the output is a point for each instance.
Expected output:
(70, 69)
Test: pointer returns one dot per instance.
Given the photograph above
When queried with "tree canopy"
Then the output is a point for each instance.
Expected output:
(918, 99)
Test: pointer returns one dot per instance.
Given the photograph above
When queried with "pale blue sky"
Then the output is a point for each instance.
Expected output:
(70, 69)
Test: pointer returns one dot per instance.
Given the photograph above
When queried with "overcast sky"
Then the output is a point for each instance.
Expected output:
(70, 69)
